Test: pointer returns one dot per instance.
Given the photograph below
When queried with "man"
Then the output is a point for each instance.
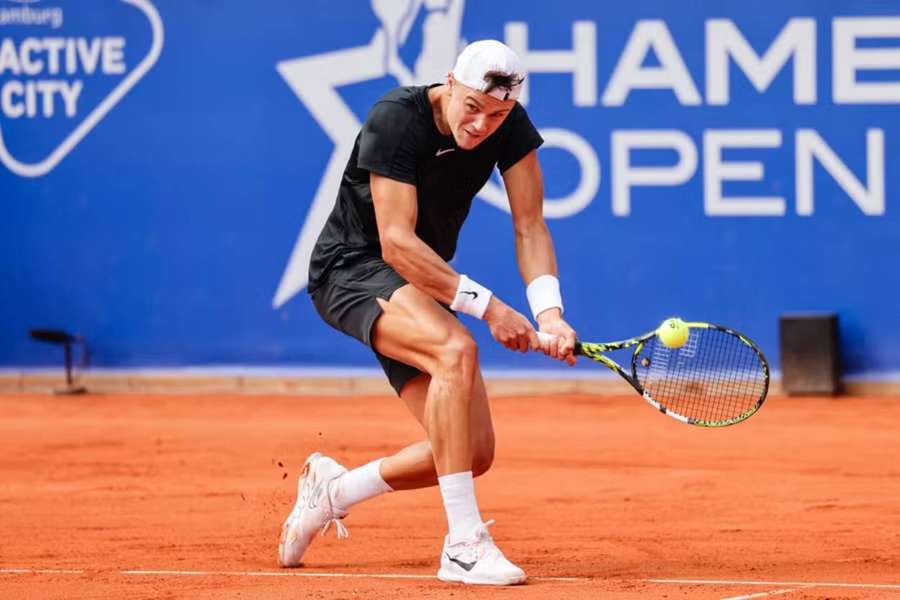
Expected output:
(379, 273)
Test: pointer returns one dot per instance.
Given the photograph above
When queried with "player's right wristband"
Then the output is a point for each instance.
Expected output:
(471, 297)
(543, 294)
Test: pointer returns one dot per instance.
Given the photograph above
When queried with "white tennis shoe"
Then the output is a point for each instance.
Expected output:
(478, 561)
(314, 512)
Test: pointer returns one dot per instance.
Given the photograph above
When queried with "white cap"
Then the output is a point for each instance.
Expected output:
(486, 56)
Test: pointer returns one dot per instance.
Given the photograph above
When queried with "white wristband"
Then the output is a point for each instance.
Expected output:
(471, 297)
(543, 293)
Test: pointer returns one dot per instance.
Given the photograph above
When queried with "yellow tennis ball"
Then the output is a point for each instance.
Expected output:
(673, 333)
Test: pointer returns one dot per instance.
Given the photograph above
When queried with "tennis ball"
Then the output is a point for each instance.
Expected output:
(673, 333)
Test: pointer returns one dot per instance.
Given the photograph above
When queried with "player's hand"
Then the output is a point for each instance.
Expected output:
(562, 346)
(509, 327)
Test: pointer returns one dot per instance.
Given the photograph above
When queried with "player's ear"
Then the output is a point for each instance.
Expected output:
(450, 80)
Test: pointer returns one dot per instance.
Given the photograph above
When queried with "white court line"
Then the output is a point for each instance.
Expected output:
(872, 586)
(42, 571)
(314, 574)
(764, 594)
(272, 574)
(151, 573)
(291, 573)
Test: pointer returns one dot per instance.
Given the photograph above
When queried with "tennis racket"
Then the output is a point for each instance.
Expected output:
(717, 378)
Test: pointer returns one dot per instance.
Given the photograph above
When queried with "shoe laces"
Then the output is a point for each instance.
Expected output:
(311, 493)
(339, 528)
(482, 532)
(482, 543)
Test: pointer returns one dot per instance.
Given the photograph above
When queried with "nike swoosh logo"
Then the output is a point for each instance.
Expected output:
(464, 565)
(444, 151)
(474, 294)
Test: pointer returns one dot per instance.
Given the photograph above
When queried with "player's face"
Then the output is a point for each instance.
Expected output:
(473, 116)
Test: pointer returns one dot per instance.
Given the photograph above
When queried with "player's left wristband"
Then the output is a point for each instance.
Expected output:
(543, 294)
(471, 297)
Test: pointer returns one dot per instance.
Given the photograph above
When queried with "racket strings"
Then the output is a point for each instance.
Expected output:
(714, 378)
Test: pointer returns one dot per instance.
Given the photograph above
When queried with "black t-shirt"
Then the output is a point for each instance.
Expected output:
(400, 140)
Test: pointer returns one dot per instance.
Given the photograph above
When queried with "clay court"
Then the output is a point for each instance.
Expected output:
(183, 497)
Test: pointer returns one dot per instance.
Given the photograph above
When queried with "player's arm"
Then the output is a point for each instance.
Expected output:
(396, 210)
(535, 254)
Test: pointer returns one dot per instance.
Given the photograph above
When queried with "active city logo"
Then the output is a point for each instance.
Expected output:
(44, 77)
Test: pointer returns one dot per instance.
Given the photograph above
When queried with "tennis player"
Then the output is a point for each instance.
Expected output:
(379, 273)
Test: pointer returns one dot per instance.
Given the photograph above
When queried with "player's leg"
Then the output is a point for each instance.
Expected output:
(417, 331)
(413, 467)
(433, 342)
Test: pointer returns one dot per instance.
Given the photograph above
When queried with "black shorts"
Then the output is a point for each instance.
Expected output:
(346, 300)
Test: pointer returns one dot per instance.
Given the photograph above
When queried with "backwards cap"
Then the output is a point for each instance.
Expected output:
(489, 56)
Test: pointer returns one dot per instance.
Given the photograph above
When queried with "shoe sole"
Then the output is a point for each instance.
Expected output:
(289, 521)
(450, 577)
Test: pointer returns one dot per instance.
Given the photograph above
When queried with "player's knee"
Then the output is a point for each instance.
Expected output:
(459, 355)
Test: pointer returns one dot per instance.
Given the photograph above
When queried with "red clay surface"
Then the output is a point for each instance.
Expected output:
(601, 489)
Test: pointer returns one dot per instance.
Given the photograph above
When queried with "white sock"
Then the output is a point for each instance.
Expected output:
(359, 484)
(458, 491)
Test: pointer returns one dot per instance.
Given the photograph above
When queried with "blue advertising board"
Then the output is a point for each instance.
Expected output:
(167, 165)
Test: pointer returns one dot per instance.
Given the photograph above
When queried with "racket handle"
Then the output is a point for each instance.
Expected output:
(545, 337)
(549, 337)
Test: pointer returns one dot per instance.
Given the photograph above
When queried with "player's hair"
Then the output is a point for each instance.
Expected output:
(504, 81)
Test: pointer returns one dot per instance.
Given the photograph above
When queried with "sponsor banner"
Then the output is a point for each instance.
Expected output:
(167, 166)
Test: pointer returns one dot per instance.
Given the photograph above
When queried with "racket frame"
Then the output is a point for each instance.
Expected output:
(594, 351)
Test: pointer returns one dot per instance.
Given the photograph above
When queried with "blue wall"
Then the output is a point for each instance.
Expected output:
(164, 233)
